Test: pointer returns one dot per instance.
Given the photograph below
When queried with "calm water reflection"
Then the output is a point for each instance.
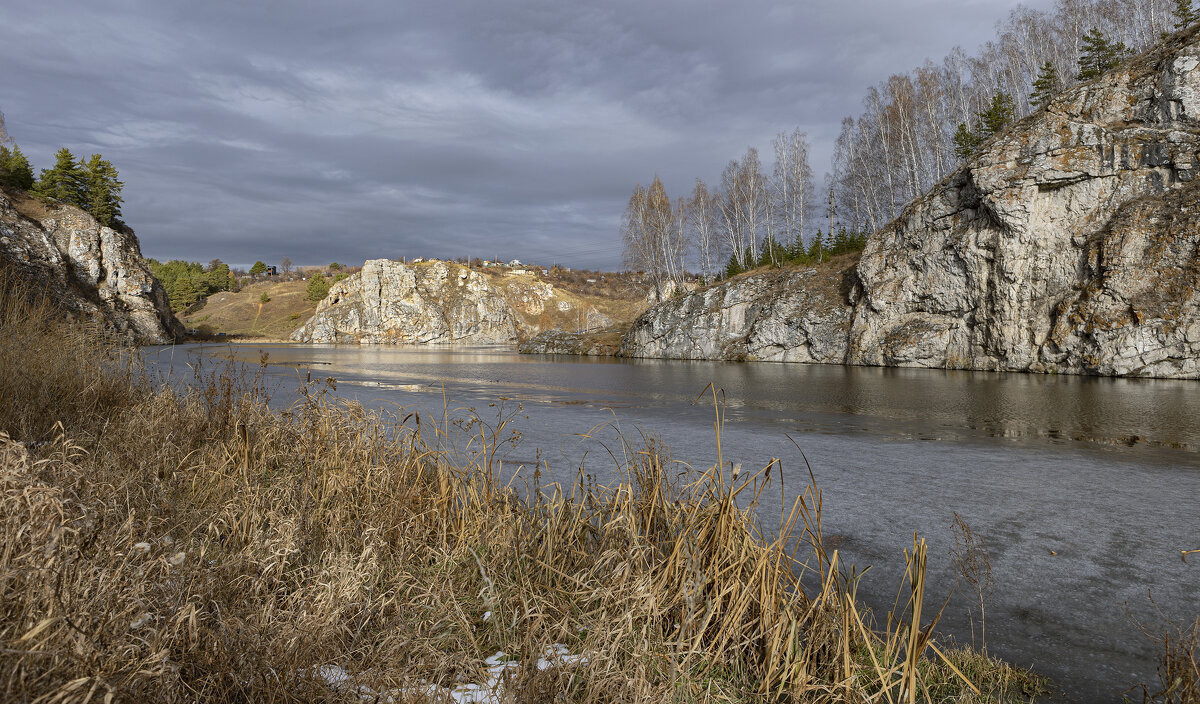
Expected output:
(1085, 490)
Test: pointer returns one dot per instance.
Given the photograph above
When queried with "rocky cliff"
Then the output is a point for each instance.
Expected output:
(431, 302)
(91, 271)
(781, 316)
(1068, 244)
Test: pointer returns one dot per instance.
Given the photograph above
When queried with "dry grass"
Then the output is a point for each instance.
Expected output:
(242, 314)
(32, 206)
(1178, 667)
(197, 546)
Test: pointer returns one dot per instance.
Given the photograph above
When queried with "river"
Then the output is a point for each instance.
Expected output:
(1084, 490)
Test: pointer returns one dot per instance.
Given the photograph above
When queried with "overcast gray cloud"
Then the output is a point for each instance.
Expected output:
(345, 131)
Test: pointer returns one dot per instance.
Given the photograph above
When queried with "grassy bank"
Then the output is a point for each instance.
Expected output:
(244, 314)
(167, 546)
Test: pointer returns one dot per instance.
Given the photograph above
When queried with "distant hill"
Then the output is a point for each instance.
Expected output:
(243, 315)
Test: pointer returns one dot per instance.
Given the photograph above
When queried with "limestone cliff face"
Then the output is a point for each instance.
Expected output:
(89, 270)
(1069, 244)
(435, 302)
(780, 316)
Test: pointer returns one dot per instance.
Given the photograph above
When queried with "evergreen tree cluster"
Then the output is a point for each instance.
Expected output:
(91, 184)
(15, 171)
(820, 248)
(188, 282)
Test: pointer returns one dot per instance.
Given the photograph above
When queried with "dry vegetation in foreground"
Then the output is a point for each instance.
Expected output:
(196, 546)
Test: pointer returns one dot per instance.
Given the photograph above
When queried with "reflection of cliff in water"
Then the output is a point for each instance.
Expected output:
(895, 403)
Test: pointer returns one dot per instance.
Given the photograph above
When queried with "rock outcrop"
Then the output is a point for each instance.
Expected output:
(779, 316)
(431, 302)
(89, 270)
(1068, 244)
(601, 343)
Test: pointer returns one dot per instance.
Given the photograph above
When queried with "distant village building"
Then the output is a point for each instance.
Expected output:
(272, 271)
(515, 262)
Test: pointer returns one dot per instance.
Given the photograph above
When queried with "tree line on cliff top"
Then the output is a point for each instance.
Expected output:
(92, 184)
(916, 128)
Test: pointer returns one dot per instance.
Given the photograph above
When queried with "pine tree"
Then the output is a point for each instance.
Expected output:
(317, 289)
(217, 276)
(1045, 86)
(184, 293)
(1185, 14)
(11, 171)
(1000, 113)
(103, 191)
(1098, 54)
(965, 141)
(19, 171)
(259, 268)
(65, 182)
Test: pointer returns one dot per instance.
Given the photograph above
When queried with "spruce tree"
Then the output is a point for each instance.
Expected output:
(1185, 14)
(103, 191)
(65, 181)
(1045, 86)
(1098, 54)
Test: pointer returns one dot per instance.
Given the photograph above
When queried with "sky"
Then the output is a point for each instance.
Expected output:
(346, 131)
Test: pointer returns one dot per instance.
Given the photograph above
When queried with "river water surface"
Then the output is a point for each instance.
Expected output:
(1084, 490)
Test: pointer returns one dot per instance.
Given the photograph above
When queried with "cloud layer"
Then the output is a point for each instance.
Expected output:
(346, 131)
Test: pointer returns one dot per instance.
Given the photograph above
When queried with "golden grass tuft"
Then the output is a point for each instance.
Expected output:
(198, 546)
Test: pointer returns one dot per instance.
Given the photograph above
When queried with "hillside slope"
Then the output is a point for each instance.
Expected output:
(242, 314)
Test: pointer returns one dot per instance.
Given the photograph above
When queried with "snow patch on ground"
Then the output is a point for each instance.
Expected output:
(489, 692)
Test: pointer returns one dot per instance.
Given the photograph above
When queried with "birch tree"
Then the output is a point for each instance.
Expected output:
(652, 232)
(791, 186)
(743, 206)
(703, 218)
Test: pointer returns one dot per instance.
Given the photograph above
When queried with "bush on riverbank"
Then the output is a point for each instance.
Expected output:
(167, 546)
